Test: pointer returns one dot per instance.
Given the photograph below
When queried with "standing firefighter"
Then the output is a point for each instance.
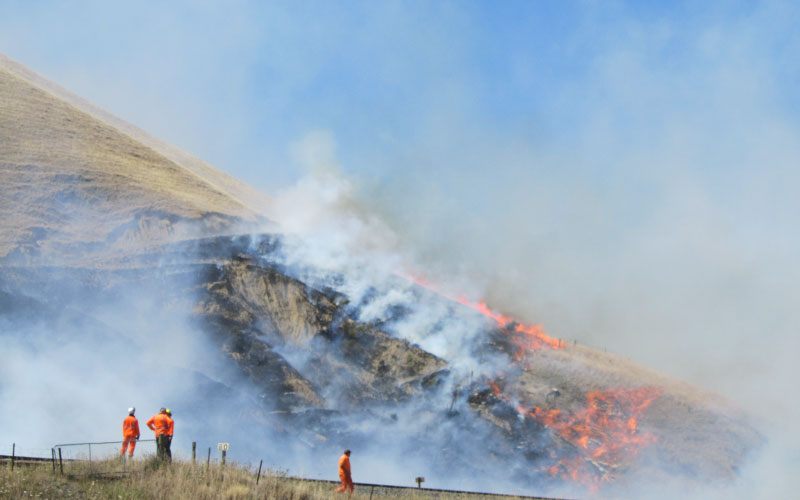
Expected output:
(170, 431)
(344, 473)
(160, 425)
(130, 432)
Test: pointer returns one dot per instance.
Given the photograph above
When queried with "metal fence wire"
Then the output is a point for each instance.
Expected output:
(81, 459)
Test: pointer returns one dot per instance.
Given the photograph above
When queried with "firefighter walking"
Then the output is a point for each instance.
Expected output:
(130, 433)
(344, 474)
(159, 424)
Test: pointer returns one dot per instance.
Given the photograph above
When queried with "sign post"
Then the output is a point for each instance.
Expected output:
(223, 447)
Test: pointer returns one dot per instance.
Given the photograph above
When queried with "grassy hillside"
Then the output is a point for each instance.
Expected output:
(106, 229)
(69, 176)
(253, 199)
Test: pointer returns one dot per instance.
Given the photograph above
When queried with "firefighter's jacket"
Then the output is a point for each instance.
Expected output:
(130, 427)
(344, 465)
(159, 424)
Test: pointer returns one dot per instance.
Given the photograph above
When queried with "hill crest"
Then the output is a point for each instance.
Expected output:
(92, 175)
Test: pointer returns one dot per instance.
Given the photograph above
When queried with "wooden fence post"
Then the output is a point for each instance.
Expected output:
(194, 451)
(259, 471)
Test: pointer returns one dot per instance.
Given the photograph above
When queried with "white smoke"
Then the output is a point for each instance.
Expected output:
(337, 233)
(645, 205)
(328, 210)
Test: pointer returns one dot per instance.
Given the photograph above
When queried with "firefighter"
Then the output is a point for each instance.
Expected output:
(344, 474)
(130, 432)
(159, 424)
(170, 431)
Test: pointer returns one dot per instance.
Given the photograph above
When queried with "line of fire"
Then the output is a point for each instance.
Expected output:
(603, 434)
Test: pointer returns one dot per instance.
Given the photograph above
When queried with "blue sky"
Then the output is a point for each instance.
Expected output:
(235, 82)
(625, 173)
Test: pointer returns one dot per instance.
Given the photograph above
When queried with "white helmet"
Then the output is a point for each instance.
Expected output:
(131, 410)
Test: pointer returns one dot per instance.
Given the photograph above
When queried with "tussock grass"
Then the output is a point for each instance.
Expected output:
(152, 479)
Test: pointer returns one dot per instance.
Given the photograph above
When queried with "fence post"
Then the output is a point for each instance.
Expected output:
(208, 460)
(223, 457)
(60, 461)
(194, 452)
(13, 453)
(259, 471)
(53, 455)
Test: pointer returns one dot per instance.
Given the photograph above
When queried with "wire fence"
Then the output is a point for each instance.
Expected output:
(384, 490)
(98, 458)
(104, 459)
(21, 450)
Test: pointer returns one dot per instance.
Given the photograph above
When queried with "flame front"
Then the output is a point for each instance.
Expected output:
(526, 338)
(605, 433)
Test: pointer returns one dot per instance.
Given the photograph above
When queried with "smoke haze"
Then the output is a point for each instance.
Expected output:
(627, 177)
(690, 292)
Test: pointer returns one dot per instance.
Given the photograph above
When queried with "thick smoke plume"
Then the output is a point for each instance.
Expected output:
(147, 354)
(692, 292)
(144, 353)
(645, 207)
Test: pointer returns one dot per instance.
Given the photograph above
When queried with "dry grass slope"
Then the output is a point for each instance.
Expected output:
(72, 177)
(252, 198)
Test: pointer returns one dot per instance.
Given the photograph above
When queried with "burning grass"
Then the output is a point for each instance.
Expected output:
(524, 338)
(605, 433)
(149, 478)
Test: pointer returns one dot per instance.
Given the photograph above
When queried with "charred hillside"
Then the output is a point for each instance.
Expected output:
(129, 270)
(309, 365)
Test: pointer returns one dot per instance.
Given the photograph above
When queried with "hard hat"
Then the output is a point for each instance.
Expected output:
(131, 409)
(169, 412)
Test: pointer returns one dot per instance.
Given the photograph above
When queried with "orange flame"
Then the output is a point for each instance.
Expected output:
(495, 389)
(526, 338)
(605, 433)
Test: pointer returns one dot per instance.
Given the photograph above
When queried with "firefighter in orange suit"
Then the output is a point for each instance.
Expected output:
(160, 425)
(170, 431)
(344, 473)
(130, 432)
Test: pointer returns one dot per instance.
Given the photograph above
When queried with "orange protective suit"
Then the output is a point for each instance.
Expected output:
(130, 433)
(344, 475)
(159, 424)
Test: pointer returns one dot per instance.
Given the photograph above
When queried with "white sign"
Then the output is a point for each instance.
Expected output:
(223, 446)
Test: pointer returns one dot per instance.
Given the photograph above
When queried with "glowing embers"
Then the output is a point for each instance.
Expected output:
(605, 433)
